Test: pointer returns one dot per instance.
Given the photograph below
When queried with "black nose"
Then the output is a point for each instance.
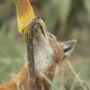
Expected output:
(38, 17)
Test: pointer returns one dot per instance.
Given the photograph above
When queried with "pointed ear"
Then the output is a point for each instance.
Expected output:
(68, 46)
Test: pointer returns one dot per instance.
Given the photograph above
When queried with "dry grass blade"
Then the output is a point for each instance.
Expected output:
(50, 82)
(82, 83)
(18, 86)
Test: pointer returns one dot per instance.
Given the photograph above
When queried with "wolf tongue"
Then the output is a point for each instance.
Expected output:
(25, 13)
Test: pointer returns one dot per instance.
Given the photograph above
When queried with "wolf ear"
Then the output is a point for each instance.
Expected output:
(68, 46)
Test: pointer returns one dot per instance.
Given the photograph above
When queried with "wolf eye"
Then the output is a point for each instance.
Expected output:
(52, 36)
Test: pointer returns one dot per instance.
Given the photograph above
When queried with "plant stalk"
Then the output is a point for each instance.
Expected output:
(30, 58)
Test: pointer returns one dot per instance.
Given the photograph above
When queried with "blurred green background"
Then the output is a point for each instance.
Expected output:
(66, 19)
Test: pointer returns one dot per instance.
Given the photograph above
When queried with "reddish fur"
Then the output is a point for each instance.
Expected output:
(22, 77)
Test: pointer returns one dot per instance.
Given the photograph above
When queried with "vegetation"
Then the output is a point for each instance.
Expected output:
(66, 19)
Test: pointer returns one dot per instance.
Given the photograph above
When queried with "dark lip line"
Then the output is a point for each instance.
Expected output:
(42, 30)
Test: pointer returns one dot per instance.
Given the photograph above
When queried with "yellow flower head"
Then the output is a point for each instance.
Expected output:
(25, 13)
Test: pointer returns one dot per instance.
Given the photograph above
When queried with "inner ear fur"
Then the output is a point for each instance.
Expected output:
(68, 46)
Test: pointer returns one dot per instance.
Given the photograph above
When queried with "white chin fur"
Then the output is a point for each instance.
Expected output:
(43, 54)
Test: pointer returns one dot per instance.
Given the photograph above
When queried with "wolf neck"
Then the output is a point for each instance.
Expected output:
(43, 54)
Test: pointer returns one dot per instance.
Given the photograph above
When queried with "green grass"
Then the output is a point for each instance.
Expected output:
(11, 56)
